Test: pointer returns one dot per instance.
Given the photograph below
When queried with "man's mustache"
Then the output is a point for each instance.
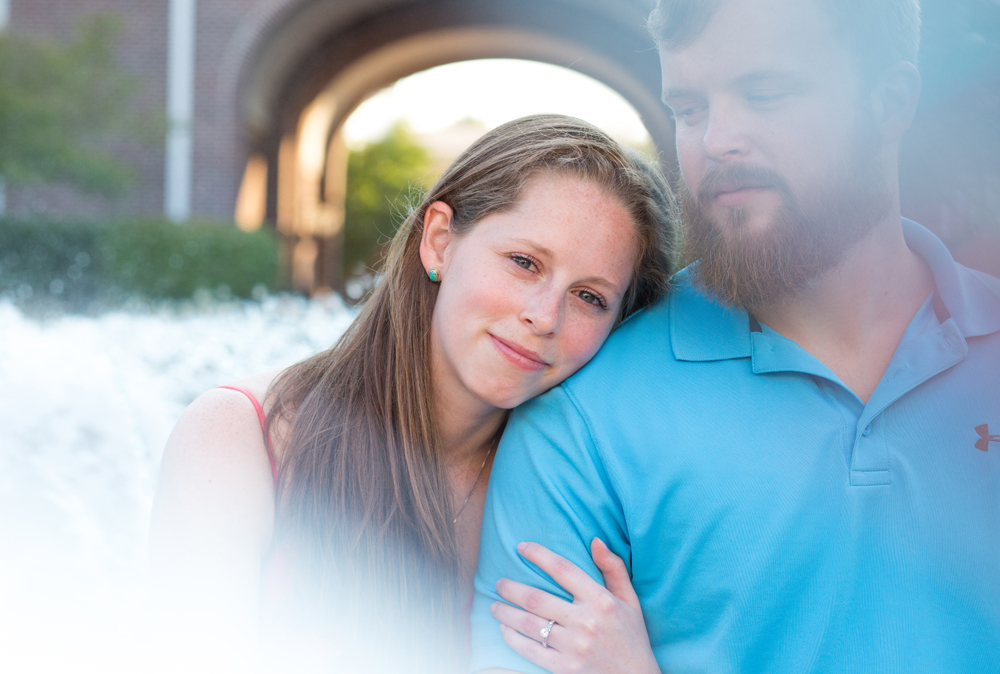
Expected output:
(733, 177)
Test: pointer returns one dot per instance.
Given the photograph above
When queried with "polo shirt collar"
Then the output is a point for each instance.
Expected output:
(971, 299)
(703, 329)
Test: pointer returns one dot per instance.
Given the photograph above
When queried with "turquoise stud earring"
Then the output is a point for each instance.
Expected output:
(434, 275)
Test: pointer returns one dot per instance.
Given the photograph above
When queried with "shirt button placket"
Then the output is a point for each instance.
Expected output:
(870, 461)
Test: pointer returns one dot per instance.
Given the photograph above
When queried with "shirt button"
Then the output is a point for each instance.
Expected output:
(867, 431)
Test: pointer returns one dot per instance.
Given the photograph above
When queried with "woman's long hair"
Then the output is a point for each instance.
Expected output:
(363, 500)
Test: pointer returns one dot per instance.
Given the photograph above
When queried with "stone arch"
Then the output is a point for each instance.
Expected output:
(322, 59)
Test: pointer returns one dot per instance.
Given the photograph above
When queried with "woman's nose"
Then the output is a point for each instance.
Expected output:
(543, 311)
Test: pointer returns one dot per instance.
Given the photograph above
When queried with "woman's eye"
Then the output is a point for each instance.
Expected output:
(592, 298)
(523, 262)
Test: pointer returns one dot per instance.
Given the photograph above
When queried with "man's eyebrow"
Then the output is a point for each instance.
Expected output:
(743, 81)
(673, 94)
(773, 75)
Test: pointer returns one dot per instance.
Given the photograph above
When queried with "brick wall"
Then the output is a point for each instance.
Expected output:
(219, 153)
(142, 51)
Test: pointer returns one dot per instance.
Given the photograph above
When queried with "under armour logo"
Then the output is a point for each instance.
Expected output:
(983, 443)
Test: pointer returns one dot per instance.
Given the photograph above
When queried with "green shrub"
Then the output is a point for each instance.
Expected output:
(381, 179)
(160, 259)
(51, 259)
(81, 263)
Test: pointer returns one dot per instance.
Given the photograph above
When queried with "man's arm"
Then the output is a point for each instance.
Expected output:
(548, 486)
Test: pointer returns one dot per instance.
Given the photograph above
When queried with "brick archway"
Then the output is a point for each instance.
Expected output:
(321, 61)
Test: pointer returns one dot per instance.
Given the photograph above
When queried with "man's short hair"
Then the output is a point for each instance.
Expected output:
(879, 32)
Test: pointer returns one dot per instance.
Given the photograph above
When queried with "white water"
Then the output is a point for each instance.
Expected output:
(86, 405)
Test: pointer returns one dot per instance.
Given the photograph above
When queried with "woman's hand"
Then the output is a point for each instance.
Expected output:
(602, 631)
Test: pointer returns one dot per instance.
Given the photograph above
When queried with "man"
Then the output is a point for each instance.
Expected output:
(795, 453)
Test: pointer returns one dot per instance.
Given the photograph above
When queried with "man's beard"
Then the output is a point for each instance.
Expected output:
(805, 239)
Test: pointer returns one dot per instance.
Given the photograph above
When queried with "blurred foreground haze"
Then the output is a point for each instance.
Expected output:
(86, 406)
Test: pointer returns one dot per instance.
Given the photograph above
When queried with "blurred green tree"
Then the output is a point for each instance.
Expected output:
(383, 179)
(61, 106)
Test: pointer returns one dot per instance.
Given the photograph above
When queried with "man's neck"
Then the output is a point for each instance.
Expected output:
(853, 318)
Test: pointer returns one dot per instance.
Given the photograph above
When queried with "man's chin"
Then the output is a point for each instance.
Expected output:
(742, 222)
(749, 257)
(761, 261)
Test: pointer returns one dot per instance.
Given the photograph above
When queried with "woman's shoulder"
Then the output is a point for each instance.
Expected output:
(224, 424)
(232, 409)
(214, 503)
(256, 385)
(216, 461)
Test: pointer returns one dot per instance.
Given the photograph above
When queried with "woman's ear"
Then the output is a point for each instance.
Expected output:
(895, 100)
(436, 237)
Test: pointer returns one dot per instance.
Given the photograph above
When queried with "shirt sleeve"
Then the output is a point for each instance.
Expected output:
(547, 486)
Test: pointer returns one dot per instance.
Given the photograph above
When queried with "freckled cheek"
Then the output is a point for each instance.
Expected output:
(489, 295)
(581, 340)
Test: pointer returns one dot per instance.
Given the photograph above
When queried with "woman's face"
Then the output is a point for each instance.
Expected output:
(528, 295)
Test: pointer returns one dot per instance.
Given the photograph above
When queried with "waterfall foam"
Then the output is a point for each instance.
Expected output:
(86, 405)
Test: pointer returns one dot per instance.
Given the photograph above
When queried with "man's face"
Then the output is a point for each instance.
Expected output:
(779, 155)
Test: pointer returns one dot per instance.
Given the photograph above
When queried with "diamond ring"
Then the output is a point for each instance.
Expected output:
(544, 632)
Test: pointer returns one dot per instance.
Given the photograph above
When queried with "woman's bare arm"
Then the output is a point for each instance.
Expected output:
(213, 514)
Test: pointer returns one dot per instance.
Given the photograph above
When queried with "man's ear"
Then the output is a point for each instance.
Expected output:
(437, 236)
(895, 99)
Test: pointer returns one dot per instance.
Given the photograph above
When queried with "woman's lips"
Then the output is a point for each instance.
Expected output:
(519, 356)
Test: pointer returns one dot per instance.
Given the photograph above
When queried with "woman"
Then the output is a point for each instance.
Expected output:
(359, 506)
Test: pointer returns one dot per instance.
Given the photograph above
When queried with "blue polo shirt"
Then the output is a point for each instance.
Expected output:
(770, 520)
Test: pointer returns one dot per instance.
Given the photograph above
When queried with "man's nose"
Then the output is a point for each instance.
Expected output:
(543, 311)
(726, 136)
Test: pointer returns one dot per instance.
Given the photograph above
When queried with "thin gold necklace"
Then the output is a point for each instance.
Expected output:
(478, 475)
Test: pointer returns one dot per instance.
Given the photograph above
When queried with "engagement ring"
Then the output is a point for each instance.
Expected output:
(545, 633)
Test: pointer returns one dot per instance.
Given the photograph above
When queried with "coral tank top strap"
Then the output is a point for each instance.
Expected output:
(263, 428)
